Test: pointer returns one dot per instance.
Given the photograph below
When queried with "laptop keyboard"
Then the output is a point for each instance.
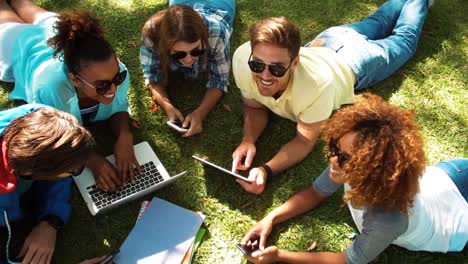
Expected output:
(150, 177)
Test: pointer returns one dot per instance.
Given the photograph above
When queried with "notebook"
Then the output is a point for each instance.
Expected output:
(154, 177)
(162, 235)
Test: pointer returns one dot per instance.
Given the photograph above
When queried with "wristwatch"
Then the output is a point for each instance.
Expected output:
(53, 221)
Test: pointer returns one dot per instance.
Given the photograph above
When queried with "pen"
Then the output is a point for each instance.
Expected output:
(109, 258)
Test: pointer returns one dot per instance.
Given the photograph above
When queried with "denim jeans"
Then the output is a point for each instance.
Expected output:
(457, 170)
(225, 5)
(380, 44)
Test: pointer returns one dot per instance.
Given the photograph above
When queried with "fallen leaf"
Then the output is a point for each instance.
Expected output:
(132, 43)
(312, 25)
(227, 107)
(154, 108)
(312, 246)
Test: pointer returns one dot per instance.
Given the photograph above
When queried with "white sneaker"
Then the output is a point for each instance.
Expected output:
(430, 3)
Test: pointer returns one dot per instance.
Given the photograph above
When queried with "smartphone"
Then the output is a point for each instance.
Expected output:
(247, 250)
(177, 125)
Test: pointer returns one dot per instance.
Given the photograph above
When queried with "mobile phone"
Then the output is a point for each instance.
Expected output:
(177, 125)
(247, 250)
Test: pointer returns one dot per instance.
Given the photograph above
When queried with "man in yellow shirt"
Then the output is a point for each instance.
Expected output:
(305, 84)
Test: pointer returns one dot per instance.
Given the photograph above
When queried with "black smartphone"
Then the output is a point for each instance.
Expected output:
(247, 250)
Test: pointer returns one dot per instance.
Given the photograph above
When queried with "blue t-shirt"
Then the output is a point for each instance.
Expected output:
(41, 78)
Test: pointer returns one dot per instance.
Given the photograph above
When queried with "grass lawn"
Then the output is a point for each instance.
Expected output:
(434, 83)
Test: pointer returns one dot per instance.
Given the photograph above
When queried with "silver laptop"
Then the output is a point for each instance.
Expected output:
(154, 177)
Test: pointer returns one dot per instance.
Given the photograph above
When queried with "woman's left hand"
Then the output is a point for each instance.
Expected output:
(125, 160)
(194, 121)
(268, 255)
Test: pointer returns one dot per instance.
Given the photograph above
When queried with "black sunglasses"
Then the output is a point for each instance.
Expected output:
(276, 70)
(178, 55)
(334, 151)
(103, 86)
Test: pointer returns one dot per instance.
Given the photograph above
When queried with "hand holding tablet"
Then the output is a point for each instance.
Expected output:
(240, 177)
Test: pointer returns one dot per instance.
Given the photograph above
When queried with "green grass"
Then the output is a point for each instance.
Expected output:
(433, 82)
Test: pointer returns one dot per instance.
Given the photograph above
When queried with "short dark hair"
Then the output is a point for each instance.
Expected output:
(277, 31)
(46, 142)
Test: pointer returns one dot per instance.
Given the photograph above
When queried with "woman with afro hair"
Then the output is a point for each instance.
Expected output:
(376, 151)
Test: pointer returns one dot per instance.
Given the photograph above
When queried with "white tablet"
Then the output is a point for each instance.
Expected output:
(240, 177)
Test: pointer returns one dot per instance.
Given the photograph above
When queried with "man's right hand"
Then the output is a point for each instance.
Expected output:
(104, 173)
(245, 150)
(259, 232)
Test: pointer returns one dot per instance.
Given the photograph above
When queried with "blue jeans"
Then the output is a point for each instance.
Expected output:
(225, 5)
(457, 170)
(380, 44)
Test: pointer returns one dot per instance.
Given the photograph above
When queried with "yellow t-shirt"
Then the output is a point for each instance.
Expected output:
(320, 84)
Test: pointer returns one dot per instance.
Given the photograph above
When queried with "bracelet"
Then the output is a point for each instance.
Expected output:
(268, 170)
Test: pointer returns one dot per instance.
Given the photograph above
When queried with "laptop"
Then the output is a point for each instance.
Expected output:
(154, 177)
(238, 176)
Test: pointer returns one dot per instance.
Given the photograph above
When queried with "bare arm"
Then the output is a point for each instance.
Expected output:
(298, 148)
(298, 204)
(195, 119)
(159, 93)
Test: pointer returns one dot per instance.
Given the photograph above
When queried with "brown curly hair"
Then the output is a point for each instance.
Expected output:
(80, 40)
(388, 156)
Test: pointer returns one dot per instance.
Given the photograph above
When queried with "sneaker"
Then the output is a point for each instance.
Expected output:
(430, 3)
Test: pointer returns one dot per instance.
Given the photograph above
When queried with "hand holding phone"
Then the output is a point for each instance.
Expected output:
(177, 125)
(249, 248)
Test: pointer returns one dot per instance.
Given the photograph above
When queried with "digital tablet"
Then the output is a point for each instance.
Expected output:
(240, 177)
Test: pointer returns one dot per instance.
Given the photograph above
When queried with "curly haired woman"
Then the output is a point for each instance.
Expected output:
(64, 61)
(190, 37)
(376, 151)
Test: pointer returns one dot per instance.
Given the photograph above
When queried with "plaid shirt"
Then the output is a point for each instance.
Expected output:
(218, 57)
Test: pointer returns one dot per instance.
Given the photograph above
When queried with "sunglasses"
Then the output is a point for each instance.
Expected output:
(178, 55)
(103, 86)
(334, 151)
(276, 70)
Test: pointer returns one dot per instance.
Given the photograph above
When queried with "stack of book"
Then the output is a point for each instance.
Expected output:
(163, 233)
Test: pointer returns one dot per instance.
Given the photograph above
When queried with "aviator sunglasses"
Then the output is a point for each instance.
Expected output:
(196, 52)
(103, 86)
(276, 70)
(334, 151)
